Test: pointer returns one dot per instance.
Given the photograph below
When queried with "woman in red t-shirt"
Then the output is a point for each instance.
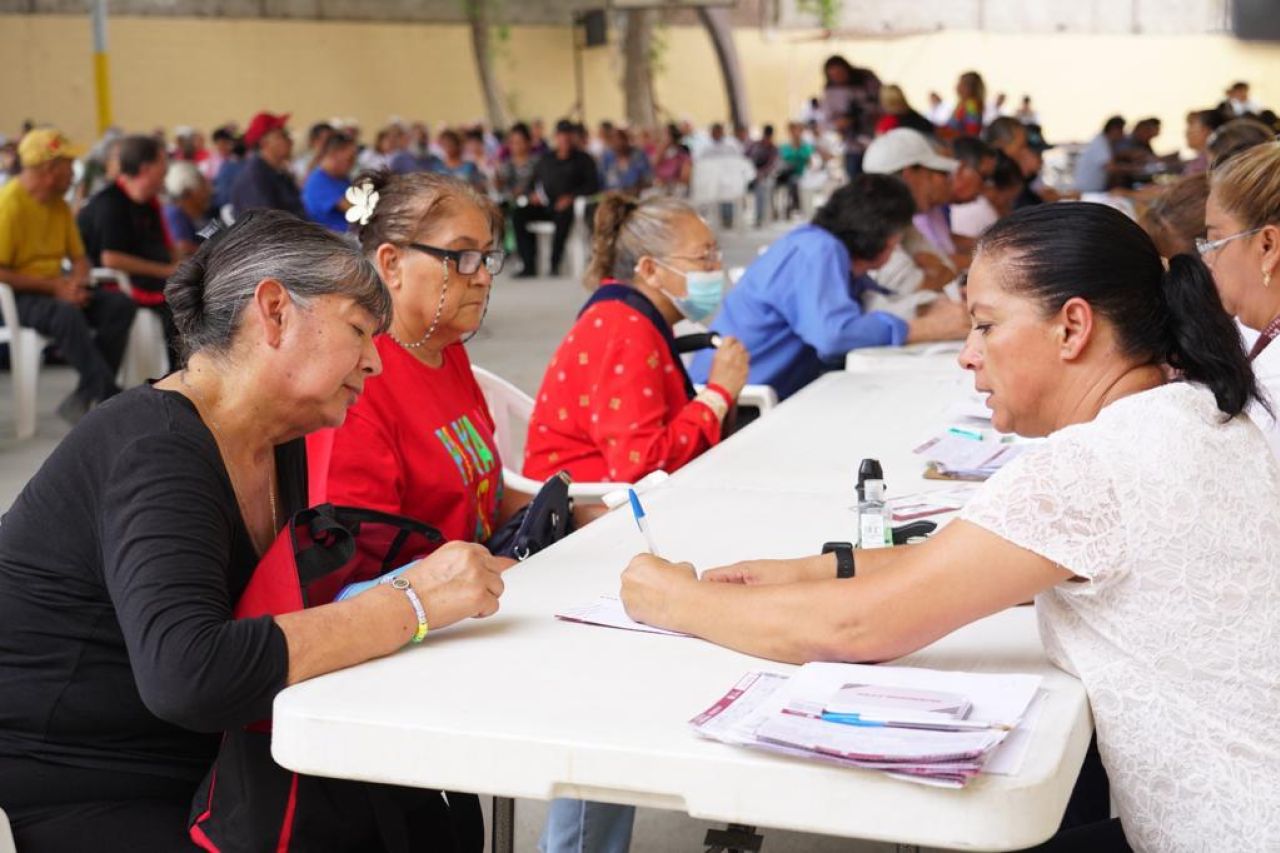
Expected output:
(419, 442)
(616, 402)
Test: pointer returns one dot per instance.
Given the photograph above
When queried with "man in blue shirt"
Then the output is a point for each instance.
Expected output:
(324, 193)
(1095, 167)
(797, 308)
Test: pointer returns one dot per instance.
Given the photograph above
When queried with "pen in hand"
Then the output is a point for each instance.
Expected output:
(641, 521)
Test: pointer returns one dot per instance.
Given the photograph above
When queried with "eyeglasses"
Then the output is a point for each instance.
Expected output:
(1207, 247)
(711, 256)
(467, 261)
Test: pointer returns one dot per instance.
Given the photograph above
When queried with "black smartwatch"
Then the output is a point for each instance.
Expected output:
(844, 557)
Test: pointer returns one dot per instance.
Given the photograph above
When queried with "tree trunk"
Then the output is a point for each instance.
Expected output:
(716, 21)
(637, 75)
(478, 16)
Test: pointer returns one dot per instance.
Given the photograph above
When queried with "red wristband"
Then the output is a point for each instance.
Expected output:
(728, 399)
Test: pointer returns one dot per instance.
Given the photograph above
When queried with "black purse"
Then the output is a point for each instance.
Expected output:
(537, 525)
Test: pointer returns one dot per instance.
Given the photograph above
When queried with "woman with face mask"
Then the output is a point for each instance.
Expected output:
(616, 403)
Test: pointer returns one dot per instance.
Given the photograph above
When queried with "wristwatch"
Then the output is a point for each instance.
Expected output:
(844, 557)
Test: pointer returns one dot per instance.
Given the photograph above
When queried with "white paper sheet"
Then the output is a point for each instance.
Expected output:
(997, 697)
(1008, 758)
(608, 612)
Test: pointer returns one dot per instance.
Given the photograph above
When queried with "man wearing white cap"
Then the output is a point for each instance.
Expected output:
(922, 265)
(37, 234)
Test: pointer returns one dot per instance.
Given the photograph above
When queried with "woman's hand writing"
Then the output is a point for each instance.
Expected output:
(650, 586)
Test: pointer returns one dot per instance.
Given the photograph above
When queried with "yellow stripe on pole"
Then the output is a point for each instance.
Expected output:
(102, 88)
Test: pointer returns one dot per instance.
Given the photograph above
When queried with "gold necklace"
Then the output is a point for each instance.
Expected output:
(199, 400)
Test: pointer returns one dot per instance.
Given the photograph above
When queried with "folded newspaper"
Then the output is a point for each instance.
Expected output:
(927, 726)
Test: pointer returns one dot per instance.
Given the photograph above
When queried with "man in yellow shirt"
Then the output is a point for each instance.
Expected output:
(37, 234)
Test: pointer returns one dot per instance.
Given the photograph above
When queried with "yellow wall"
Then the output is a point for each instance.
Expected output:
(171, 71)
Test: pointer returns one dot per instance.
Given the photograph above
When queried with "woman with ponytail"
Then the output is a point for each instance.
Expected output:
(1143, 525)
(616, 403)
(1242, 247)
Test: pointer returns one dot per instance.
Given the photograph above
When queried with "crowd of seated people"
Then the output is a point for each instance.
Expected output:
(332, 311)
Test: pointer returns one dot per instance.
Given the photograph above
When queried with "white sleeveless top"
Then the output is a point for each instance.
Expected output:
(1171, 517)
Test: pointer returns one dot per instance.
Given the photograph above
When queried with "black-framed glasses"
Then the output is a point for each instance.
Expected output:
(467, 261)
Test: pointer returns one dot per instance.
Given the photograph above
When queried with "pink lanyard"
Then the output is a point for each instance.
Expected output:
(1269, 334)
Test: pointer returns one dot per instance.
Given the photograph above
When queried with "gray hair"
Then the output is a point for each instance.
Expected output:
(627, 230)
(208, 292)
(181, 178)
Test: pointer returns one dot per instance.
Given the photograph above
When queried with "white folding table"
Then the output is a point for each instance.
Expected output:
(525, 705)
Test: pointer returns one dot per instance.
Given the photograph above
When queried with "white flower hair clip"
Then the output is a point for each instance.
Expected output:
(363, 199)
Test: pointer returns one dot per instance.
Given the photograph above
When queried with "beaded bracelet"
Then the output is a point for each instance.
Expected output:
(407, 588)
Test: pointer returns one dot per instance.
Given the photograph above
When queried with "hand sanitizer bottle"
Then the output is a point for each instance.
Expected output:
(874, 529)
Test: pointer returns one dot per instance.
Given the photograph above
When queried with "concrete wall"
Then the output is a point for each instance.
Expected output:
(542, 12)
(1090, 17)
(168, 71)
(1183, 17)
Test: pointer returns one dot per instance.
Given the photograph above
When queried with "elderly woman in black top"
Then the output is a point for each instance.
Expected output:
(121, 560)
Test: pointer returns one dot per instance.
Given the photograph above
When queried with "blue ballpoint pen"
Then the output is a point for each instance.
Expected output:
(875, 722)
(638, 511)
(966, 433)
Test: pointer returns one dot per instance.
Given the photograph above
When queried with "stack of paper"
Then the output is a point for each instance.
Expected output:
(965, 454)
(929, 726)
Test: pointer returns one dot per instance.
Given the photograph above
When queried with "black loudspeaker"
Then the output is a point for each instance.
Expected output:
(1256, 20)
(594, 27)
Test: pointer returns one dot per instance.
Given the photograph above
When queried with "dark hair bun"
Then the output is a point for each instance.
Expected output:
(184, 293)
(376, 178)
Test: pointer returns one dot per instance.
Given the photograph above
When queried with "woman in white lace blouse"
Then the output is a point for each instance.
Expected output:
(1145, 526)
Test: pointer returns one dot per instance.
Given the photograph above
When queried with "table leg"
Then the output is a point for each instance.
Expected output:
(736, 838)
(504, 825)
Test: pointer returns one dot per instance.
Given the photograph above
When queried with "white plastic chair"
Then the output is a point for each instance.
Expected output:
(578, 248)
(146, 356)
(722, 180)
(511, 409)
(6, 834)
(543, 232)
(25, 346)
(761, 397)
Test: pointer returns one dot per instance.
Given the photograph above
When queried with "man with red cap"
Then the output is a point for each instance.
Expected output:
(265, 181)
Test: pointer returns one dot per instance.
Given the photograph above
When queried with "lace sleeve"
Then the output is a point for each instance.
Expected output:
(1057, 501)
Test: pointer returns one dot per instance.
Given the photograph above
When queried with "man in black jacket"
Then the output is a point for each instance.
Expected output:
(562, 175)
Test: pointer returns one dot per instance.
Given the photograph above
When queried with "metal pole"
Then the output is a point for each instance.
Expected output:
(101, 66)
(579, 83)
(504, 825)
